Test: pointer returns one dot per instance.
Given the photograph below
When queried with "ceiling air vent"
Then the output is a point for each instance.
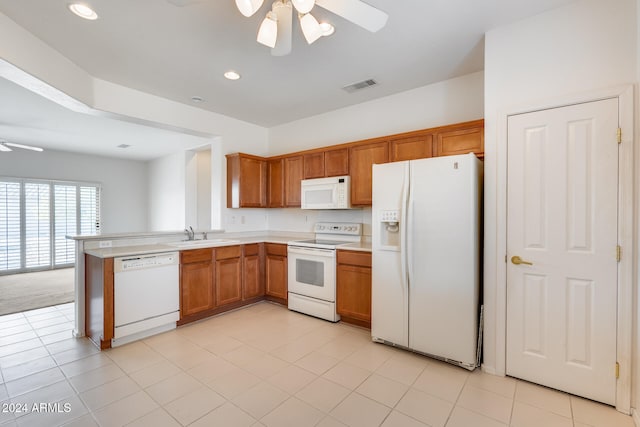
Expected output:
(360, 85)
(124, 146)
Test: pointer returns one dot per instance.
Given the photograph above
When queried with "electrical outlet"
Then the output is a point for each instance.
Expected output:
(106, 243)
(232, 219)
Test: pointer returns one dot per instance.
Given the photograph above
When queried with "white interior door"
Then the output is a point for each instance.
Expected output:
(562, 199)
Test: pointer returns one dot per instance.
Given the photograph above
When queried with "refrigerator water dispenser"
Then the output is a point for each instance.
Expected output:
(389, 230)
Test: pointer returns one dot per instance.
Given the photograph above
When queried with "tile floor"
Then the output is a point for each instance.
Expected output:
(259, 366)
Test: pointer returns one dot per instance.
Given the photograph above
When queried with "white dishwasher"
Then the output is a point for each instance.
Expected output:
(146, 296)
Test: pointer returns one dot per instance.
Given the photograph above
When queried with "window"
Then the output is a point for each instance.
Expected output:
(36, 217)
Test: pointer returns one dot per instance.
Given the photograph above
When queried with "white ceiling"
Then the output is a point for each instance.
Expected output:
(178, 52)
(28, 118)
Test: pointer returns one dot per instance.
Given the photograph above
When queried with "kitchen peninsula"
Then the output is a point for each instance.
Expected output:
(224, 272)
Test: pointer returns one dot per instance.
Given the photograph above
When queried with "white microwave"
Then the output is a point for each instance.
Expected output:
(326, 193)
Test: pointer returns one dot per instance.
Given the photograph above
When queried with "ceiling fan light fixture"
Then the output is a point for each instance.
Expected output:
(24, 147)
(83, 11)
(268, 32)
(310, 28)
(248, 7)
(327, 29)
(304, 6)
(284, 14)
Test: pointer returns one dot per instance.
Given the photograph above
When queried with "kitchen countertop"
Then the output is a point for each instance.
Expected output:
(124, 251)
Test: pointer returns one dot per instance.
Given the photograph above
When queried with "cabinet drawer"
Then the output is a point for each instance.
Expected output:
(195, 255)
(227, 252)
(276, 249)
(252, 249)
(362, 259)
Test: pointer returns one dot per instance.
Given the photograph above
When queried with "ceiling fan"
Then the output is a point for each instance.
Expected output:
(276, 28)
(6, 146)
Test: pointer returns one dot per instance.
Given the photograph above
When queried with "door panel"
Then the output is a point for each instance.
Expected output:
(562, 217)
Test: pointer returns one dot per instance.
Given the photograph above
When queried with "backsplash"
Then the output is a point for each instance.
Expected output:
(299, 220)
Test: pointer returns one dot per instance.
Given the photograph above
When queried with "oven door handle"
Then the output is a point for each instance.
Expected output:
(329, 253)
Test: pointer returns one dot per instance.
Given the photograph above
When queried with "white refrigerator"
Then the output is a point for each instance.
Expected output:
(426, 256)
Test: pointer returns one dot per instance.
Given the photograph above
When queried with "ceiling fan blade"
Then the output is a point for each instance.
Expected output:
(25, 147)
(284, 12)
(358, 12)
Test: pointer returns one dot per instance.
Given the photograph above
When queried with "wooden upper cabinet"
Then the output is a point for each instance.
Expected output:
(313, 165)
(246, 181)
(461, 141)
(361, 160)
(275, 196)
(293, 173)
(411, 147)
(336, 162)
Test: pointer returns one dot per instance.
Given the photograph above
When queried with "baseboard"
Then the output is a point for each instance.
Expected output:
(491, 370)
(635, 416)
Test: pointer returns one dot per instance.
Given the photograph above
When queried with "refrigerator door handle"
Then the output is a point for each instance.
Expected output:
(404, 230)
(409, 238)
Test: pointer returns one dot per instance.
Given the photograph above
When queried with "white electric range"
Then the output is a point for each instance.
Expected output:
(312, 269)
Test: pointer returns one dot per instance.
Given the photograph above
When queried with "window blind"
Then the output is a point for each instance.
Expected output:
(10, 226)
(37, 224)
(36, 217)
(65, 222)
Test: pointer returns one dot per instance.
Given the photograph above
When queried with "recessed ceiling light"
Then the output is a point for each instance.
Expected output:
(327, 29)
(123, 146)
(83, 11)
(197, 99)
(232, 75)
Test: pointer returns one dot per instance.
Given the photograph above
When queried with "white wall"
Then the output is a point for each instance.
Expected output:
(167, 192)
(124, 182)
(585, 46)
(450, 101)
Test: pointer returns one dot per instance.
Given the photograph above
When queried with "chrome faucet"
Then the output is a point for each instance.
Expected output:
(191, 235)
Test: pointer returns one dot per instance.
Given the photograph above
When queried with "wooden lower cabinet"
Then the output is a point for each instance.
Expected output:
(196, 281)
(228, 273)
(99, 287)
(276, 271)
(252, 272)
(196, 288)
(353, 287)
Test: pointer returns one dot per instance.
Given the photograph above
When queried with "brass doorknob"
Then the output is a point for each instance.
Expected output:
(517, 260)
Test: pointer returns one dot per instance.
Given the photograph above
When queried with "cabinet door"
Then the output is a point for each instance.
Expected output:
(353, 292)
(228, 285)
(361, 159)
(276, 184)
(292, 177)
(411, 148)
(460, 141)
(336, 162)
(246, 181)
(276, 276)
(195, 287)
(313, 165)
(252, 280)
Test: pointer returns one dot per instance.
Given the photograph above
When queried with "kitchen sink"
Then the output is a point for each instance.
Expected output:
(202, 243)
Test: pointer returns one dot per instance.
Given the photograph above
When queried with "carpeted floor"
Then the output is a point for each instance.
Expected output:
(28, 291)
